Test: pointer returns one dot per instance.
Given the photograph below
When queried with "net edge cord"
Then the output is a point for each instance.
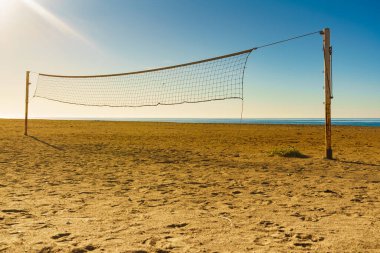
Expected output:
(138, 106)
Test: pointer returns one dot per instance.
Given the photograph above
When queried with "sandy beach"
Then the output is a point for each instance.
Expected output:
(87, 186)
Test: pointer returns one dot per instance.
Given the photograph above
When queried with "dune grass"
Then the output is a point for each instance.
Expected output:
(287, 152)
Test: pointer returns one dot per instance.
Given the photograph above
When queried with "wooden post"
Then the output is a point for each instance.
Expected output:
(26, 102)
(327, 56)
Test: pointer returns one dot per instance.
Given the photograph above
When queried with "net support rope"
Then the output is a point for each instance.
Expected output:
(212, 79)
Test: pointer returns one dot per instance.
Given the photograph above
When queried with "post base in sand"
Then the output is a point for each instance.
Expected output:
(329, 154)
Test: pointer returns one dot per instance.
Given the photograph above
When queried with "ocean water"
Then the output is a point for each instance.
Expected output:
(371, 122)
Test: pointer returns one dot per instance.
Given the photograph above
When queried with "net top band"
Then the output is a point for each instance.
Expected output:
(156, 69)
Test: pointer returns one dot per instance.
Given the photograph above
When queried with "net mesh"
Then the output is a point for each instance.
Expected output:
(207, 80)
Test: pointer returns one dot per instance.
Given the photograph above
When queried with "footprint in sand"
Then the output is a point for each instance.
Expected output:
(262, 241)
(180, 225)
(306, 240)
(303, 217)
(301, 240)
(46, 249)
(8, 211)
(60, 235)
(302, 244)
(87, 248)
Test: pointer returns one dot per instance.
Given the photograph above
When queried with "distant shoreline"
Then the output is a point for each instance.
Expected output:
(373, 122)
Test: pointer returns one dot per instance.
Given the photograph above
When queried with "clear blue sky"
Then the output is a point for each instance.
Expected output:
(110, 36)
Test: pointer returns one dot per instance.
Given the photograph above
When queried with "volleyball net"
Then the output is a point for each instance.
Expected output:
(218, 78)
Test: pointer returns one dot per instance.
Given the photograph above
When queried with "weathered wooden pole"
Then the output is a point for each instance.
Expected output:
(327, 50)
(26, 102)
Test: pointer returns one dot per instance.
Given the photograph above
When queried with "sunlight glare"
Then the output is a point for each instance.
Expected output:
(55, 21)
(6, 12)
(4, 4)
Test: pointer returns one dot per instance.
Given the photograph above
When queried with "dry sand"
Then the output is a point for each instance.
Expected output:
(75, 186)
